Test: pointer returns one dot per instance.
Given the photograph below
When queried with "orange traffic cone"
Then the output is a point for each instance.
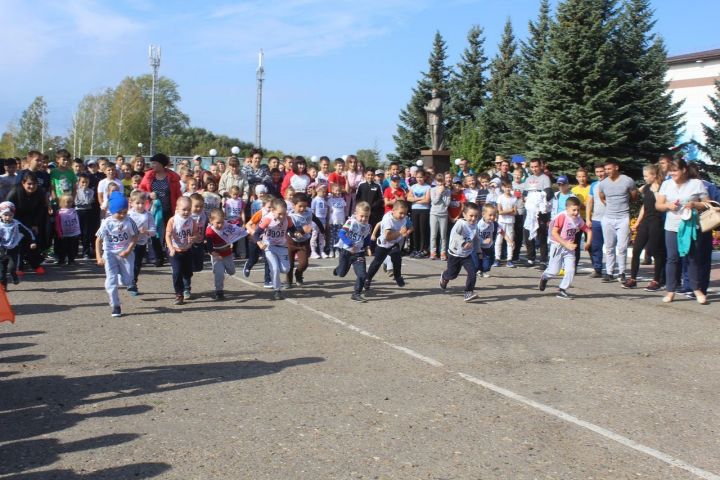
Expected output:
(6, 311)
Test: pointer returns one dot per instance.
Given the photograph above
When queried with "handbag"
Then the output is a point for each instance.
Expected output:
(710, 218)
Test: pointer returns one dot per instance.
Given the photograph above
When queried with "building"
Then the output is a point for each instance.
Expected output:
(691, 78)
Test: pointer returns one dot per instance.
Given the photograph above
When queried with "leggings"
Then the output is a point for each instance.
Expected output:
(302, 249)
(421, 223)
(357, 262)
(454, 264)
(438, 224)
(277, 257)
(651, 237)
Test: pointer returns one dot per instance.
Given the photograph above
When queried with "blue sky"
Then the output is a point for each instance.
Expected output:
(338, 71)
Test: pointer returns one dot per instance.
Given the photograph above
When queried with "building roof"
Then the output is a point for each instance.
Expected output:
(695, 57)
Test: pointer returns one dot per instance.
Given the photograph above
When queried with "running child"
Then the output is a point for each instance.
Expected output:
(67, 230)
(179, 238)
(299, 244)
(12, 233)
(145, 223)
(258, 210)
(464, 241)
(114, 247)
(235, 212)
(562, 246)
(220, 236)
(488, 231)
(354, 240)
(271, 237)
(393, 231)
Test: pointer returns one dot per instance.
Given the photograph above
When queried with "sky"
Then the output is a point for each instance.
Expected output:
(338, 72)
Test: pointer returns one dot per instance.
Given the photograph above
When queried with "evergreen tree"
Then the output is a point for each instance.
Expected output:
(468, 83)
(577, 115)
(503, 138)
(531, 55)
(470, 143)
(654, 119)
(712, 133)
(412, 133)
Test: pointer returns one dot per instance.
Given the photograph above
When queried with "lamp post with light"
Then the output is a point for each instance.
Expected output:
(140, 147)
(213, 154)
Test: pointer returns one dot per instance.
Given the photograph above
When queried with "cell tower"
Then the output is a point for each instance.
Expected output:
(154, 56)
(258, 109)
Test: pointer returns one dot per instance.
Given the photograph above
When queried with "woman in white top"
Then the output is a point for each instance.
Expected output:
(679, 196)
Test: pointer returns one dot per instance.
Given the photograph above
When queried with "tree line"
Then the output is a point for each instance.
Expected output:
(587, 85)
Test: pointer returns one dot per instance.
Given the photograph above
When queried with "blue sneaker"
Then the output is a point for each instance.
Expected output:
(496, 264)
(510, 264)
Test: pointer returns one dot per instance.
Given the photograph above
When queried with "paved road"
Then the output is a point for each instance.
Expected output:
(414, 384)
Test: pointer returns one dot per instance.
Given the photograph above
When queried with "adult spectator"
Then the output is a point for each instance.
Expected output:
(394, 170)
(94, 173)
(616, 191)
(463, 169)
(705, 239)
(664, 163)
(680, 197)
(8, 179)
(498, 161)
(594, 211)
(538, 196)
(32, 210)
(296, 177)
(165, 185)
(233, 177)
(221, 168)
(138, 165)
(503, 172)
(255, 172)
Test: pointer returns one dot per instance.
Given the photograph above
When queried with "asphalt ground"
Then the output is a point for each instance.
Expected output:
(413, 384)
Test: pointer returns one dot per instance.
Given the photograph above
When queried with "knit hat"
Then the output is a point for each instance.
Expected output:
(117, 202)
(7, 207)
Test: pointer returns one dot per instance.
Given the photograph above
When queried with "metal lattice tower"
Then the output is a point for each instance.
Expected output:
(258, 110)
(154, 56)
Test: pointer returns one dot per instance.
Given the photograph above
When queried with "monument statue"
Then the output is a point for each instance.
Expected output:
(434, 121)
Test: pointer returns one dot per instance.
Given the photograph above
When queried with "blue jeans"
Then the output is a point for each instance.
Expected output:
(485, 263)
(596, 247)
(673, 268)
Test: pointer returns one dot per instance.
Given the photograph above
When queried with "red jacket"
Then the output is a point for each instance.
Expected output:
(173, 180)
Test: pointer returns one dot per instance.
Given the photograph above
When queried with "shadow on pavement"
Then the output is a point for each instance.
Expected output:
(34, 406)
(28, 333)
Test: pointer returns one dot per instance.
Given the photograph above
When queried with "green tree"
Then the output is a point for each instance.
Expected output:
(468, 83)
(370, 157)
(503, 138)
(89, 132)
(33, 126)
(412, 133)
(712, 133)
(653, 118)
(470, 142)
(8, 141)
(532, 52)
(577, 113)
(199, 141)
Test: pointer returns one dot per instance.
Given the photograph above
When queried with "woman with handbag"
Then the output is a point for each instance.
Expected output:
(682, 197)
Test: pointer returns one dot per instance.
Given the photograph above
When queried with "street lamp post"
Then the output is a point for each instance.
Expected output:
(213, 154)
(140, 146)
(235, 150)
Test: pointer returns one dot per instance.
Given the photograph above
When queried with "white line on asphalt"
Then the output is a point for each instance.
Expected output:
(663, 457)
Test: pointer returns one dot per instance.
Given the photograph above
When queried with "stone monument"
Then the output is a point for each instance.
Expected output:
(438, 157)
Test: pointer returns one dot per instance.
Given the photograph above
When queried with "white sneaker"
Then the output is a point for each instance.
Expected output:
(486, 274)
(324, 255)
(314, 256)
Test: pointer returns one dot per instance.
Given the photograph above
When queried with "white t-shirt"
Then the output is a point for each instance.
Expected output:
(389, 222)
(143, 220)
(506, 203)
(470, 195)
(116, 234)
(690, 191)
(337, 210)
(319, 208)
(103, 186)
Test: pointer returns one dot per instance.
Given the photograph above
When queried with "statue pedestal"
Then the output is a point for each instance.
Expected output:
(438, 159)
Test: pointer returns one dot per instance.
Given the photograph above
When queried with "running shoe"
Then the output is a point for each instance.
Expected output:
(470, 296)
(653, 286)
(324, 255)
(116, 312)
(367, 285)
(277, 295)
(187, 295)
(299, 279)
(246, 270)
(630, 283)
(443, 282)
(314, 256)
(596, 274)
(356, 297)
(133, 291)
(530, 263)
(179, 300)
(562, 294)
(486, 274)
(607, 278)
(443, 256)
(510, 264)
(433, 256)
(621, 278)
(543, 283)
(400, 281)
(496, 264)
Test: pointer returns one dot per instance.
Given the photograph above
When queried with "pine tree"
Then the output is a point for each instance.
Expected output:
(532, 53)
(712, 133)
(412, 133)
(468, 83)
(654, 119)
(498, 116)
(577, 115)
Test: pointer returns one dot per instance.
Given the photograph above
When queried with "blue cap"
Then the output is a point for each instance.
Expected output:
(562, 179)
(117, 202)
(518, 159)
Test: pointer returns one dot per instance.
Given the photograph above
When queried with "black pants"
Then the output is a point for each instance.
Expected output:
(578, 250)
(182, 270)
(67, 248)
(381, 254)
(140, 251)
(518, 229)
(454, 264)
(9, 260)
(198, 256)
(421, 232)
(542, 238)
(158, 250)
(704, 245)
(357, 262)
(88, 221)
(651, 237)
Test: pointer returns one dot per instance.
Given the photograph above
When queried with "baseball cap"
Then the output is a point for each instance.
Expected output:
(396, 178)
(457, 180)
(562, 179)
(379, 172)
